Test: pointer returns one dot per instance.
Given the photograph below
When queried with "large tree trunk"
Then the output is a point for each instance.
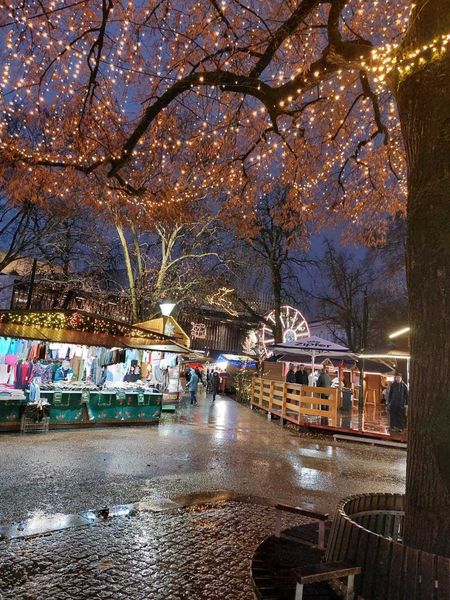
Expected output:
(424, 109)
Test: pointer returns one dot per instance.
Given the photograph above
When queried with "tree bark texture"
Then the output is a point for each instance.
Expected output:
(424, 107)
(130, 273)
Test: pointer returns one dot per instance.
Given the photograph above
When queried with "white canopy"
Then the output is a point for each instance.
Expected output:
(309, 345)
(313, 346)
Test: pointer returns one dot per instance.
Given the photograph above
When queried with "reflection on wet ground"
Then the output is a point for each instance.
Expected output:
(221, 445)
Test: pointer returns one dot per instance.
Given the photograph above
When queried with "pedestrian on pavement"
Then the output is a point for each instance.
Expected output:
(192, 386)
(290, 376)
(301, 376)
(398, 400)
(214, 379)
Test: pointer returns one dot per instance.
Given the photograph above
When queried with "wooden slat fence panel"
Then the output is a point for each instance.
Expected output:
(427, 576)
(370, 567)
(411, 574)
(381, 582)
(396, 573)
(303, 400)
(443, 577)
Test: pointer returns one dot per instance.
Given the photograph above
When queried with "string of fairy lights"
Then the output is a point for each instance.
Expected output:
(74, 321)
(329, 148)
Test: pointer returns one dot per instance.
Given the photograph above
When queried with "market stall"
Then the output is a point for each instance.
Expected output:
(167, 365)
(88, 370)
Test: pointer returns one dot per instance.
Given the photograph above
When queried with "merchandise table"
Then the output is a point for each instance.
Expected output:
(83, 408)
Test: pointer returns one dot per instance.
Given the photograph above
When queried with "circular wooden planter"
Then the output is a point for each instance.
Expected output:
(367, 529)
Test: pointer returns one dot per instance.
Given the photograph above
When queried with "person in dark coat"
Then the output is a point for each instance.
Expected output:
(290, 376)
(397, 400)
(192, 386)
(301, 376)
(215, 383)
(324, 381)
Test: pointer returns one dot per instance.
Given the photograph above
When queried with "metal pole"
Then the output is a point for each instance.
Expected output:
(313, 362)
(365, 325)
(361, 395)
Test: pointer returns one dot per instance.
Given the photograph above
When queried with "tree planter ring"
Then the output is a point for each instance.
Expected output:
(367, 529)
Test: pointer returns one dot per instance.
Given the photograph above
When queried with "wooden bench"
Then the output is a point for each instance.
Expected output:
(325, 572)
(298, 510)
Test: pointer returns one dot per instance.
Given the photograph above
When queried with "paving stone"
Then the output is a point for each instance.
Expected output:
(197, 553)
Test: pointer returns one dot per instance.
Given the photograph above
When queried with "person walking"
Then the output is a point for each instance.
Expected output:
(397, 401)
(215, 383)
(192, 386)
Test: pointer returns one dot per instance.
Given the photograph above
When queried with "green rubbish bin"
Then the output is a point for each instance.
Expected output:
(347, 403)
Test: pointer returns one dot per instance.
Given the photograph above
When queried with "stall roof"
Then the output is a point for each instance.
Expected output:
(169, 346)
(157, 324)
(77, 327)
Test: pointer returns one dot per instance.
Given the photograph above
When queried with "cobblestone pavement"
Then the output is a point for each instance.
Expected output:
(199, 553)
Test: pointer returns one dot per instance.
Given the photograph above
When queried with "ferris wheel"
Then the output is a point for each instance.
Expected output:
(294, 326)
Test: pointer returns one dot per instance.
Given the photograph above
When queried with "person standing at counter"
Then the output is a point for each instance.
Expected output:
(301, 376)
(193, 385)
(398, 400)
(324, 381)
(290, 375)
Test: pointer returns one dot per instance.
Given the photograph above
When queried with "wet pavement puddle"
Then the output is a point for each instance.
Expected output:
(44, 524)
(41, 524)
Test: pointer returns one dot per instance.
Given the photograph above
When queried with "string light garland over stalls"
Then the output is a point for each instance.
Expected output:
(280, 93)
(74, 321)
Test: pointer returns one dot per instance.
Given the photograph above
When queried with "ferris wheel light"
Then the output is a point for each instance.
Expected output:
(294, 327)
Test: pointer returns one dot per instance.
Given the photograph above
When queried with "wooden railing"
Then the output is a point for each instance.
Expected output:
(294, 402)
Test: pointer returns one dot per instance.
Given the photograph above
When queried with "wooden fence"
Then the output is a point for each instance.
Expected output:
(294, 402)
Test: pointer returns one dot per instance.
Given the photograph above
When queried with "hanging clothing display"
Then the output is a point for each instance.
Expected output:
(23, 374)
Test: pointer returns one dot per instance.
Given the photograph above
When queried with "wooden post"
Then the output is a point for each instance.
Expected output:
(269, 414)
(321, 534)
(299, 592)
(283, 404)
(337, 404)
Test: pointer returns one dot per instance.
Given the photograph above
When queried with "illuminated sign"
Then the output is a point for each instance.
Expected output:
(198, 331)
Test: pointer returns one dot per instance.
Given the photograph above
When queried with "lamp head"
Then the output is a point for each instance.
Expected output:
(166, 307)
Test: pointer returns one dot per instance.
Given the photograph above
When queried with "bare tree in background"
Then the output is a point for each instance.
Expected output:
(342, 282)
(268, 256)
(24, 228)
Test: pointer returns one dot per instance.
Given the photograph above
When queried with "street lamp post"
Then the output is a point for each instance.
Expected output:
(166, 307)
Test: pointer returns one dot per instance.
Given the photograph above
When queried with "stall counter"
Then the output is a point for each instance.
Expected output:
(108, 406)
(81, 408)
